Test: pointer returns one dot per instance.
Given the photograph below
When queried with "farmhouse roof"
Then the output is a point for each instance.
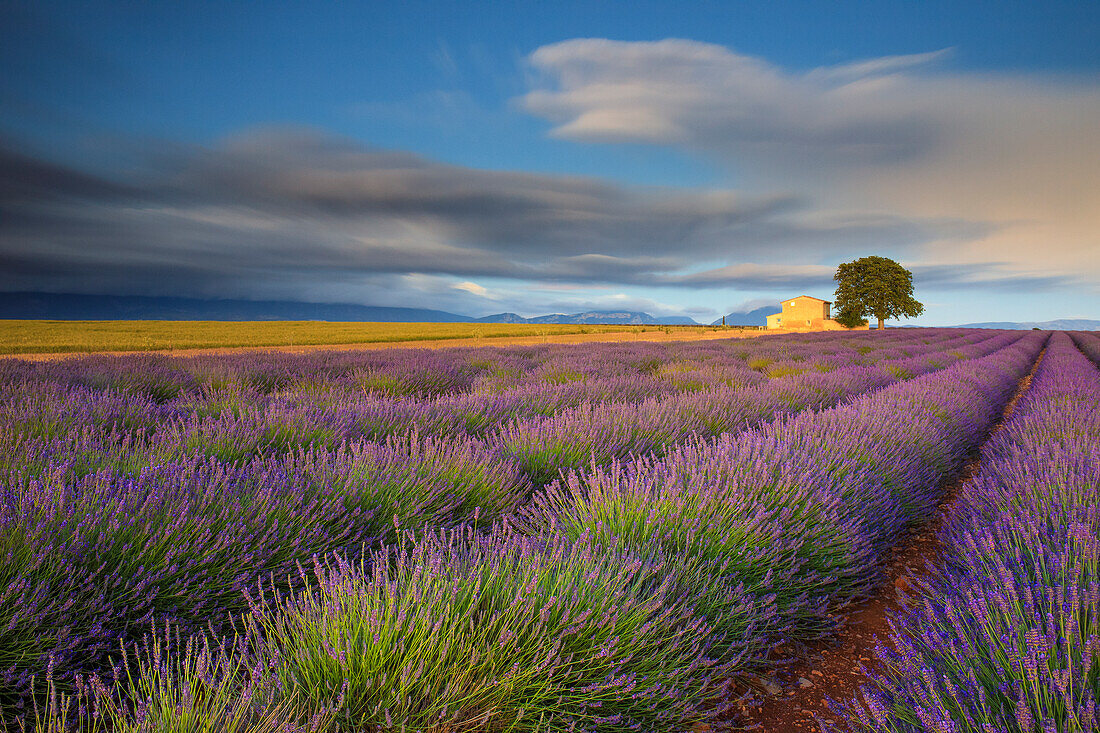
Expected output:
(812, 298)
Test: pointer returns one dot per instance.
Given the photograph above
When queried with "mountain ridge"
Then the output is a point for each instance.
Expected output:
(594, 317)
(1058, 324)
(74, 306)
(755, 317)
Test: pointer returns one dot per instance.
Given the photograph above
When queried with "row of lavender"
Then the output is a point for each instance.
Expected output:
(635, 369)
(619, 598)
(55, 426)
(623, 599)
(575, 438)
(118, 512)
(1006, 635)
(613, 374)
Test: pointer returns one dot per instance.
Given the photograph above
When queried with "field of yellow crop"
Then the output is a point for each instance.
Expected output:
(30, 337)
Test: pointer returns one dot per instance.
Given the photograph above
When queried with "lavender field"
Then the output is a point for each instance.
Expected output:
(1007, 636)
(595, 537)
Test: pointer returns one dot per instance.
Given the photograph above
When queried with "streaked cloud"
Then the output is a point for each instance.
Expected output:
(976, 182)
(703, 95)
(903, 135)
(289, 210)
(819, 278)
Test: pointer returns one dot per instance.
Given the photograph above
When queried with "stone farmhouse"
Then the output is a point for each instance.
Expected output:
(804, 313)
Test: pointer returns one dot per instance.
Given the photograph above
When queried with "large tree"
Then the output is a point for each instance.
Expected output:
(874, 286)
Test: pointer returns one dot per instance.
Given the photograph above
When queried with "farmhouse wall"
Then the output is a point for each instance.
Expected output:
(804, 313)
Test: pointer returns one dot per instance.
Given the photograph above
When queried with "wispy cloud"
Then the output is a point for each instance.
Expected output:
(899, 134)
(976, 182)
(704, 95)
(759, 277)
(292, 208)
(996, 276)
(478, 290)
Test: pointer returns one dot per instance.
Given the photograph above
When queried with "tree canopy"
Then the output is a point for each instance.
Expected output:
(874, 286)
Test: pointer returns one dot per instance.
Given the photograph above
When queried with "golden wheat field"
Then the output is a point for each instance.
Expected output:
(41, 337)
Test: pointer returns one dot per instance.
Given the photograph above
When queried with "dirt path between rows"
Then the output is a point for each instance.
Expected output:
(566, 338)
(831, 668)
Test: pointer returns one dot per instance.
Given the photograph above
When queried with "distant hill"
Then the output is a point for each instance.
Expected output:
(502, 318)
(594, 317)
(70, 306)
(614, 317)
(1061, 324)
(757, 317)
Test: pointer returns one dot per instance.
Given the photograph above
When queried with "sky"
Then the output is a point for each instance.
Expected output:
(531, 157)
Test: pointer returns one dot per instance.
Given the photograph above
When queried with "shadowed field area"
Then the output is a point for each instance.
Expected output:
(37, 337)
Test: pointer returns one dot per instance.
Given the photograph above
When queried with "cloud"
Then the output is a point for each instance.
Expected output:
(883, 65)
(1015, 153)
(607, 302)
(312, 175)
(750, 276)
(270, 213)
(478, 290)
(995, 276)
(752, 304)
(703, 95)
(992, 276)
(26, 178)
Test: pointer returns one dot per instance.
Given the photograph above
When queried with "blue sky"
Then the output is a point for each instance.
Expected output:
(540, 157)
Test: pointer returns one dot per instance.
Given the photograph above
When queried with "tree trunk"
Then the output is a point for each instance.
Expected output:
(880, 324)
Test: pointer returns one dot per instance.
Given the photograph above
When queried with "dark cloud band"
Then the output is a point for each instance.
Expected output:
(294, 210)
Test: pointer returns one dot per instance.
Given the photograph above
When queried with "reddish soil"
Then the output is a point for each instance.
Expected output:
(795, 696)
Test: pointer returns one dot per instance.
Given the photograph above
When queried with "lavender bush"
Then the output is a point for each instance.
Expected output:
(467, 632)
(173, 684)
(600, 433)
(1006, 634)
(797, 511)
(88, 559)
(724, 494)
